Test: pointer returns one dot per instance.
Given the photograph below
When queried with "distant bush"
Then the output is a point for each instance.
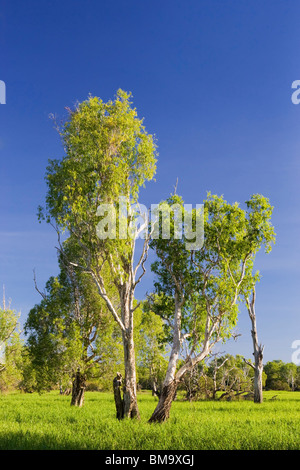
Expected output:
(92, 387)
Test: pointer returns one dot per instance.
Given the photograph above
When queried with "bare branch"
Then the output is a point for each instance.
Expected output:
(249, 363)
(36, 287)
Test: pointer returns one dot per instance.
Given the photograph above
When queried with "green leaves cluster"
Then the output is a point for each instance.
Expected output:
(211, 281)
(108, 154)
(70, 329)
(10, 348)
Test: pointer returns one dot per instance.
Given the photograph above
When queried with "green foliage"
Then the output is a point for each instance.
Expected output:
(175, 274)
(282, 376)
(10, 349)
(210, 282)
(150, 348)
(233, 236)
(222, 377)
(70, 329)
(28, 383)
(108, 155)
(8, 324)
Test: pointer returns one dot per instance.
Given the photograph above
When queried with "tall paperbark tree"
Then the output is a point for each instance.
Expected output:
(261, 220)
(108, 156)
(258, 350)
(198, 293)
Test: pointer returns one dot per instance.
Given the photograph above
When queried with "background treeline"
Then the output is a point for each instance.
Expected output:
(52, 352)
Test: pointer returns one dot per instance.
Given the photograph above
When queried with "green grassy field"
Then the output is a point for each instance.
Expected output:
(32, 421)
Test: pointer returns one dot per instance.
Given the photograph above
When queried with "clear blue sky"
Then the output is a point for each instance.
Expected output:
(212, 79)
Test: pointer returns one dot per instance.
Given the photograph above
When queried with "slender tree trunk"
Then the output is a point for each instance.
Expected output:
(117, 383)
(78, 388)
(155, 391)
(169, 388)
(130, 405)
(258, 351)
(258, 370)
(173, 377)
(293, 383)
(214, 392)
(126, 293)
(215, 387)
(129, 390)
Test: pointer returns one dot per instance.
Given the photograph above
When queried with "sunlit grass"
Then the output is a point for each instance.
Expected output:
(32, 421)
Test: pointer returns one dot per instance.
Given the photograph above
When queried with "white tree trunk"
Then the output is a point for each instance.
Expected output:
(129, 390)
(169, 387)
(257, 351)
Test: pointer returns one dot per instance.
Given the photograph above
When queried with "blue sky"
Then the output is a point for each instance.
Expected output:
(212, 78)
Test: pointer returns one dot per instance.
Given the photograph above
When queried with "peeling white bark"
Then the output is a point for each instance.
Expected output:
(258, 350)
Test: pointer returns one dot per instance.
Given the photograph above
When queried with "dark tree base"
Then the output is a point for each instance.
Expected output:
(78, 388)
(167, 396)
